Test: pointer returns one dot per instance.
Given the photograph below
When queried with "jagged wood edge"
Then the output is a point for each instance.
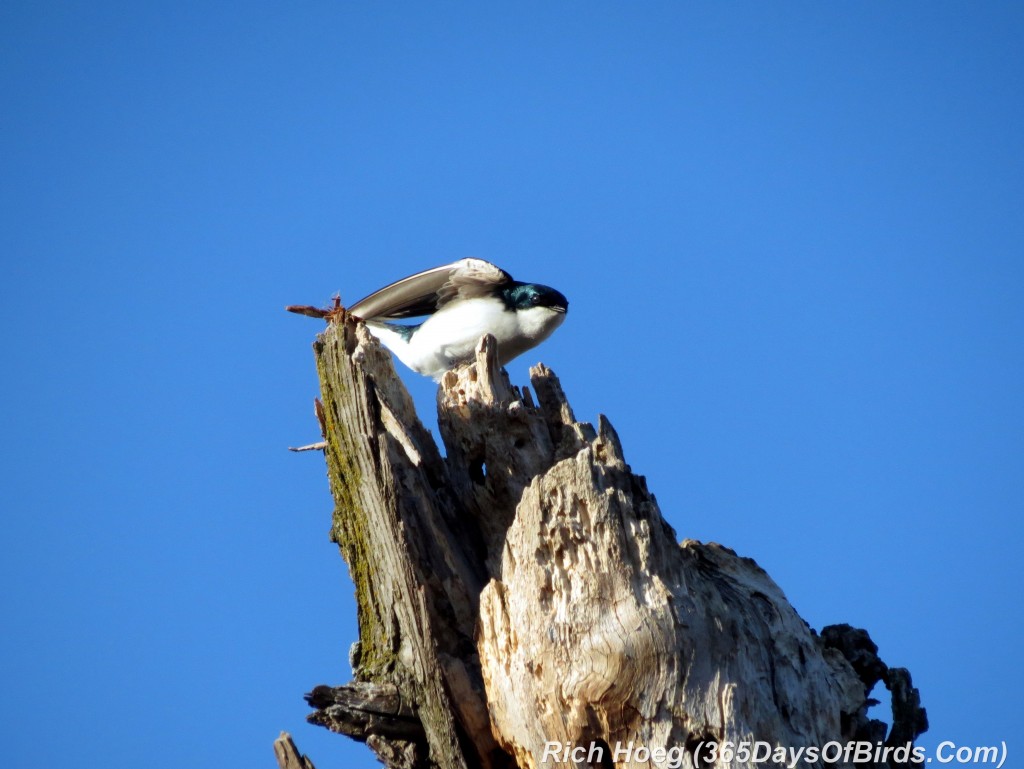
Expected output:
(391, 429)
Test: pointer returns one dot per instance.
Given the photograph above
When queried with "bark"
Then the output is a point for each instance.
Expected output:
(524, 592)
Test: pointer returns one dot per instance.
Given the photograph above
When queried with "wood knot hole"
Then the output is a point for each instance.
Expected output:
(478, 471)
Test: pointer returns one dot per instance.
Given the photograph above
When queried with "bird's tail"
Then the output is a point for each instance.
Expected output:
(396, 337)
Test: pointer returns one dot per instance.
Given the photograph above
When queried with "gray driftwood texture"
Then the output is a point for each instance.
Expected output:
(524, 595)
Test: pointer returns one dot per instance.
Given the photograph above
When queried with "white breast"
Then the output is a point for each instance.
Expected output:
(450, 336)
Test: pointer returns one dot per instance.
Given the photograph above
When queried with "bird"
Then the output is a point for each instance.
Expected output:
(462, 301)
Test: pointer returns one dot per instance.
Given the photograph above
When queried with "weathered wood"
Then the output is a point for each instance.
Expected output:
(363, 708)
(401, 530)
(288, 756)
(525, 591)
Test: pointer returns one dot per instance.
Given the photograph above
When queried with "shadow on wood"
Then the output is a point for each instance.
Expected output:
(523, 595)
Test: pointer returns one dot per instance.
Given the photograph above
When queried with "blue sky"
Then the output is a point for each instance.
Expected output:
(791, 235)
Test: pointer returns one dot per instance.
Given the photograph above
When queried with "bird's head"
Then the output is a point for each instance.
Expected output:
(525, 296)
(540, 309)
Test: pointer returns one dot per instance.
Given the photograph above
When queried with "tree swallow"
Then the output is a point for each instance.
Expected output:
(462, 301)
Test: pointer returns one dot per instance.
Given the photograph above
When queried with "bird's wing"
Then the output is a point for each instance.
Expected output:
(425, 292)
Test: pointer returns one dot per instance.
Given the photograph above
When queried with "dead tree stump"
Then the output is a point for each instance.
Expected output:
(523, 603)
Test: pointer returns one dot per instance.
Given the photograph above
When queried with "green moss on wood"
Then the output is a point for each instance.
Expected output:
(350, 518)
